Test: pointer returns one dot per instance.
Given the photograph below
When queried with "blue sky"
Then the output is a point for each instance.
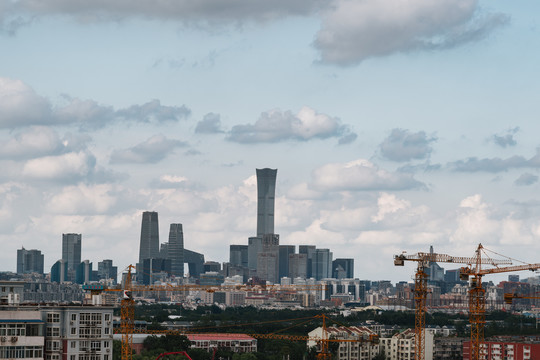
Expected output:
(394, 125)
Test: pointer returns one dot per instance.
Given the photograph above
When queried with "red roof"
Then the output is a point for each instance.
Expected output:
(220, 336)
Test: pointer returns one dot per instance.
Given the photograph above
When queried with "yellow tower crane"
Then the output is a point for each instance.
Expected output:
(477, 294)
(420, 288)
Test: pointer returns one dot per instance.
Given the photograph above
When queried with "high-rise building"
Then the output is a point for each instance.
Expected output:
(71, 253)
(254, 248)
(83, 273)
(59, 271)
(297, 266)
(309, 250)
(268, 259)
(343, 269)
(29, 261)
(266, 192)
(284, 252)
(238, 255)
(106, 270)
(149, 244)
(195, 262)
(322, 264)
(155, 269)
(175, 249)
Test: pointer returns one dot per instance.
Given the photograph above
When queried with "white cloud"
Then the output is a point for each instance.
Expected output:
(388, 204)
(152, 150)
(354, 30)
(361, 175)
(70, 166)
(83, 199)
(21, 106)
(276, 126)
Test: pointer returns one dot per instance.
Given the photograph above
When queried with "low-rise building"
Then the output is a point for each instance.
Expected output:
(360, 343)
(240, 343)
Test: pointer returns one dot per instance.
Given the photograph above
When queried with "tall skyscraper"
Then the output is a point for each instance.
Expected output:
(106, 270)
(322, 264)
(284, 252)
(29, 261)
(238, 255)
(149, 245)
(266, 192)
(343, 269)
(71, 253)
(175, 250)
(309, 250)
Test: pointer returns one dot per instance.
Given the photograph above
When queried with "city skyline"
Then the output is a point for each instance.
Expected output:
(393, 135)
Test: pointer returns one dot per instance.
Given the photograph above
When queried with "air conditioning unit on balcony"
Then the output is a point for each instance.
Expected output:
(14, 339)
(3, 339)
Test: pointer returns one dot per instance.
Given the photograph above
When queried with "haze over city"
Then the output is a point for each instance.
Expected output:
(388, 135)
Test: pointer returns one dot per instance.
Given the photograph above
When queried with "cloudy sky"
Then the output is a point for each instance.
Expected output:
(394, 125)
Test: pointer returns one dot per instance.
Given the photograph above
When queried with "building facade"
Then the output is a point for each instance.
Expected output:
(175, 249)
(71, 253)
(366, 348)
(149, 242)
(57, 332)
(266, 192)
(29, 261)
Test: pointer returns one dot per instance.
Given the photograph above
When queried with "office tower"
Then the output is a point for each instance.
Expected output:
(59, 271)
(238, 255)
(254, 248)
(149, 244)
(211, 266)
(164, 250)
(83, 273)
(266, 192)
(106, 270)
(309, 250)
(284, 252)
(268, 259)
(155, 269)
(297, 266)
(513, 278)
(322, 264)
(71, 253)
(343, 269)
(195, 262)
(29, 261)
(176, 250)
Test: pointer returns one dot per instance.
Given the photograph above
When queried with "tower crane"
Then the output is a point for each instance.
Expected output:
(477, 294)
(420, 288)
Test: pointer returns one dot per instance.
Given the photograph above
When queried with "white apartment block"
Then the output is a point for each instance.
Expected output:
(402, 346)
(360, 344)
(56, 332)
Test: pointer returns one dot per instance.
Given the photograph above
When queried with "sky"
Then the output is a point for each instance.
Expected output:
(395, 125)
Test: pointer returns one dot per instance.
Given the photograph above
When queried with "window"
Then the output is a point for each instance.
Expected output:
(95, 345)
(106, 331)
(73, 317)
(106, 344)
(107, 317)
(73, 344)
(72, 357)
(53, 317)
(73, 331)
(53, 331)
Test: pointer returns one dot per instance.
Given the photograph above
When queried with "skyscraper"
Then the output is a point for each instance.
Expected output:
(71, 253)
(149, 245)
(266, 192)
(29, 261)
(238, 255)
(175, 250)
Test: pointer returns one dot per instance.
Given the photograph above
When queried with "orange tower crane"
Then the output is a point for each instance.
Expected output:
(477, 294)
(420, 288)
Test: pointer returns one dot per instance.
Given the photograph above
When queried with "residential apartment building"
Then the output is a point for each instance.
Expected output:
(507, 348)
(365, 348)
(57, 332)
(240, 343)
(402, 346)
